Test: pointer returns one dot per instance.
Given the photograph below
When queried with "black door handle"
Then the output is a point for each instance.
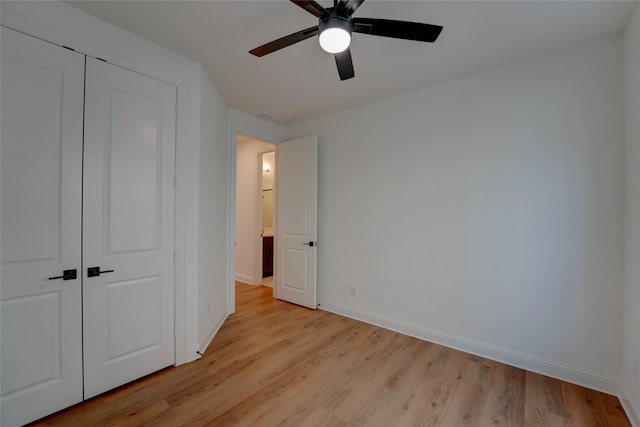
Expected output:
(66, 275)
(95, 271)
(310, 244)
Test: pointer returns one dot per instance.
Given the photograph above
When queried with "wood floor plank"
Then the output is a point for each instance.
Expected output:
(464, 406)
(425, 407)
(401, 389)
(277, 364)
(505, 398)
(585, 407)
(544, 401)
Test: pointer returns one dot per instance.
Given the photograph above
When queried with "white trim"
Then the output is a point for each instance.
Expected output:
(231, 218)
(180, 215)
(85, 49)
(562, 371)
(244, 278)
(192, 353)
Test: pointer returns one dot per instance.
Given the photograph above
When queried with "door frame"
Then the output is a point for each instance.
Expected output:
(234, 130)
(88, 44)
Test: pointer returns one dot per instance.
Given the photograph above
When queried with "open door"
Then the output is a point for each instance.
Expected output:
(297, 163)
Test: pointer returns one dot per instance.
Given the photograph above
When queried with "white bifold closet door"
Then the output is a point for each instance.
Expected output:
(41, 345)
(128, 200)
(106, 215)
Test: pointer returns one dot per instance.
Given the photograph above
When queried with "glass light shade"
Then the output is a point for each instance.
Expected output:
(335, 40)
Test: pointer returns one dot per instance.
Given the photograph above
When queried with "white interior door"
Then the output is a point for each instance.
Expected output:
(42, 101)
(128, 230)
(297, 163)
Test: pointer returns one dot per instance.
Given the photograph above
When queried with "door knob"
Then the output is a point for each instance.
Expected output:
(66, 275)
(95, 271)
(310, 244)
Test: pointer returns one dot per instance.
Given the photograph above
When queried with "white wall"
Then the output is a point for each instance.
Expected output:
(631, 336)
(212, 204)
(268, 177)
(65, 25)
(488, 209)
(248, 213)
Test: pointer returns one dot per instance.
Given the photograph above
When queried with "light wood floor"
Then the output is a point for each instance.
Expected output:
(274, 363)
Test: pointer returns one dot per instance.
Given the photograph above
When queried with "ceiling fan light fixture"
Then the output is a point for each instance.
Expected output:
(335, 34)
(335, 26)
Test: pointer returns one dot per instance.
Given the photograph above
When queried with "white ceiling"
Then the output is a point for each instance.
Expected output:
(301, 81)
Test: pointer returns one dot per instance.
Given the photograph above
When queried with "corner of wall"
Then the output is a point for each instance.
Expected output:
(212, 333)
(630, 382)
(628, 406)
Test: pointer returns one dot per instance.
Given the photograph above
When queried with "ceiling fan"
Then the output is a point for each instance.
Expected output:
(335, 25)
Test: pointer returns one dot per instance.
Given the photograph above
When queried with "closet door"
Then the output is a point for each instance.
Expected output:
(41, 339)
(128, 230)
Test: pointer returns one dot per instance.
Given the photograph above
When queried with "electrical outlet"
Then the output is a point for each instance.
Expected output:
(383, 297)
(636, 369)
(354, 291)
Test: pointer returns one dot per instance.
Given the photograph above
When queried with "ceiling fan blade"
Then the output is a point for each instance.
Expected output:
(397, 29)
(350, 6)
(311, 6)
(345, 64)
(284, 42)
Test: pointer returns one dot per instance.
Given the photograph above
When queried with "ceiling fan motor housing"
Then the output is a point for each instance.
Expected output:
(335, 21)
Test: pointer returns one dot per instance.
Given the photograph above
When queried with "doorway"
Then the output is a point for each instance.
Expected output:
(255, 196)
(267, 208)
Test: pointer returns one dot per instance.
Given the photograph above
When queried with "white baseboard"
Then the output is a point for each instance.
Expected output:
(244, 278)
(630, 406)
(212, 333)
(192, 353)
(562, 371)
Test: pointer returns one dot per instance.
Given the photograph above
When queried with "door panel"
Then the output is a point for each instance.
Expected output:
(141, 296)
(41, 332)
(128, 226)
(296, 225)
(134, 150)
(294, 276)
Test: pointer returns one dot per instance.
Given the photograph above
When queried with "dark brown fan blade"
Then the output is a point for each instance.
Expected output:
(397, 29)
(284, 42)
(345, 64)
(350, 6)
(311, 6)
